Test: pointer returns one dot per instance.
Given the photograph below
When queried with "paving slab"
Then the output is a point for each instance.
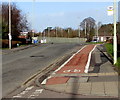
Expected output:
(98, 88)
(79, 79)
(97, 58)
(106, 67)
(84, 88)
(111, 89)
(72, 88)
(58, 87)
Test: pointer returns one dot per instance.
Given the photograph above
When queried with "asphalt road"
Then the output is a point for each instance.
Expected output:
(19, 66)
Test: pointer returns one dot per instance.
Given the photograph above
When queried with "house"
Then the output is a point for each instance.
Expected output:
(25, 37)
(102, 38)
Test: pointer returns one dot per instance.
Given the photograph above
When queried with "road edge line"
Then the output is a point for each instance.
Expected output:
(89, 58)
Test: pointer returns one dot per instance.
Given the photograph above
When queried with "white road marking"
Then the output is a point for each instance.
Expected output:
(39, 90)
(45, 80)
(36, 93)
(17, 96)
(74, 70)
(23, 92)
(77, 70)
(29, 88)
(32, 96)
(88, 62)
(65, 71)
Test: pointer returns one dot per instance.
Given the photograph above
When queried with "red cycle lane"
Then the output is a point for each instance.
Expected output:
(75, 65)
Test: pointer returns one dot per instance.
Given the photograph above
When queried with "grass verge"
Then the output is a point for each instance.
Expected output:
(118, 62)
(94, 42)
(109, 48)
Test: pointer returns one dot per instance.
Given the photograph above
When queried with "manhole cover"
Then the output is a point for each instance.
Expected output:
(38, 56)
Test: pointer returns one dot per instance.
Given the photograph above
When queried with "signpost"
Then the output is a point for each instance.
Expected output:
(115, 37)
(10, 37)
(112, 11)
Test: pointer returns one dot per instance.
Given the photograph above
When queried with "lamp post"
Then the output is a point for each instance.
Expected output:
(115, 37)
(33, 17)
(10, 37)
(97, 31)
(85, 29)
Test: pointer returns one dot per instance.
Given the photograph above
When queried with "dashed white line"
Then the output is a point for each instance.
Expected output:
(36, 93)
(17, 96)
(39, 90)
(23, 92)
(29, 88)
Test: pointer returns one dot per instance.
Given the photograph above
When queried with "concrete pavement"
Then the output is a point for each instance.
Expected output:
(103, 83)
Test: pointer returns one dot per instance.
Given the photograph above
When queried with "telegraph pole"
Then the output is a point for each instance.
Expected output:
(10, 37)
(68, 32)
(115, 37)
(33, 17)
(79, 31)
(97, 31)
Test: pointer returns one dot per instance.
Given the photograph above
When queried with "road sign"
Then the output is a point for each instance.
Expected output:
(73, 71)
(110, 10)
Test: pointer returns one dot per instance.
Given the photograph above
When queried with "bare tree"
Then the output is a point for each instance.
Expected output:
(88, 25)
(18, 21)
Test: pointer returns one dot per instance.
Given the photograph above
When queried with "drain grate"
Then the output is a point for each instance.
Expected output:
(38, 56)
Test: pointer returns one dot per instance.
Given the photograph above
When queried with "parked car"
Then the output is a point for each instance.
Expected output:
(95, 40)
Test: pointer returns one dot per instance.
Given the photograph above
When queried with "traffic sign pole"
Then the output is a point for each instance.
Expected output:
(10, 37)
(115, 37)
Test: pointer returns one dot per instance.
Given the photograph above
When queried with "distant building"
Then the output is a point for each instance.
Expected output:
(102, 38)
(23, 35)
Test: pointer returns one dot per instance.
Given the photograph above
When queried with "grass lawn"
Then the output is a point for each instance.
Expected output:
(109, 48)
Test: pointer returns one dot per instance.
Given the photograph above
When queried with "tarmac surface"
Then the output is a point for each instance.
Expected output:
(21, 64)
(101, 80)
